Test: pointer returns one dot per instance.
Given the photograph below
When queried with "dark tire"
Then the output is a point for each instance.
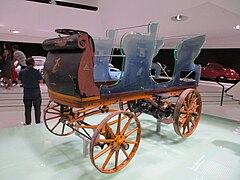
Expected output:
(221, 79)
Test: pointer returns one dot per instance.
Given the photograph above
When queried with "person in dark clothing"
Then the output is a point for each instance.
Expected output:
(30, 78)
(7, 66)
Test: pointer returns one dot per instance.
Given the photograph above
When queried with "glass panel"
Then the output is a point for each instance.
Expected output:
(185, 53)
(156, 66)
(103, 48)
(139, 50)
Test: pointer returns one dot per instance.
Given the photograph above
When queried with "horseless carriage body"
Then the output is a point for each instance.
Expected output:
(79, 86)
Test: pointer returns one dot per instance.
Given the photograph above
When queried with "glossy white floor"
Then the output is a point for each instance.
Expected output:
(212, 152)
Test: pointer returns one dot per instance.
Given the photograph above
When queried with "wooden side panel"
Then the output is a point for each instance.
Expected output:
(86, 84)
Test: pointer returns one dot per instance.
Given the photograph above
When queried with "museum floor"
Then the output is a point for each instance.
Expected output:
(211, 153)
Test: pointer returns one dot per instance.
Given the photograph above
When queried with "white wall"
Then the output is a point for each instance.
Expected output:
(127, 13)
(235, 91)
(212, 17)
(37, 21)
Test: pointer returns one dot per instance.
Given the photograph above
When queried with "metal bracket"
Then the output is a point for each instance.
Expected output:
(158, 127)
(86, 143)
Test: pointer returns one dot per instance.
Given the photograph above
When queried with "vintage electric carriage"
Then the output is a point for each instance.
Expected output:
(79, 86)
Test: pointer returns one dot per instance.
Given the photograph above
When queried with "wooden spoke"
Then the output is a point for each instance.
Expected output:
(120, 139)
(53, 112)
(194, 100)
(183, 111)
(194, 106)
(126, 126)
(188, 128)
(116, 120)
(182, 123)
(51, 107)
(108, 158)
(183, 129)
(125, 153)
(110, 131)
(63, 128)
(116, 158)
(185, 105)
(56, 121)
(54, 117)
(102, 152)
(130, 142)
(193, 122)
(118, 124)
(55, 125)
(130, 132)
(187, 112)
(105, 140)
(182, 116)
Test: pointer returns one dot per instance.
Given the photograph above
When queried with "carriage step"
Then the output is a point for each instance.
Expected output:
(167, 121)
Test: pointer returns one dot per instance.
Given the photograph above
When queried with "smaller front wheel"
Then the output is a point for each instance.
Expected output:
(56, 118)
(115, 141)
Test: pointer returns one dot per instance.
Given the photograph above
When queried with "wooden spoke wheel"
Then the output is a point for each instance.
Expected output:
(187, 112)
(115, 141)
(56, 118)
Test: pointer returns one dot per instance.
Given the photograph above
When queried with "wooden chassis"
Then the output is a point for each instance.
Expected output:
(112, 98)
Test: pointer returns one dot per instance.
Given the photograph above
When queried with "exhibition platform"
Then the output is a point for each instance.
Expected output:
(212, 152)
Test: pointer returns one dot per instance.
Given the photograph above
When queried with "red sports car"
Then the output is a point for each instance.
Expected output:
(218, 72)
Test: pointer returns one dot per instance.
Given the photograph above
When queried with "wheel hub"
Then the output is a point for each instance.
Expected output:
(119, 139)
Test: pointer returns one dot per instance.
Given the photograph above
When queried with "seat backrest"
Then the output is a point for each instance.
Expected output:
(185, 53)
(139, 50)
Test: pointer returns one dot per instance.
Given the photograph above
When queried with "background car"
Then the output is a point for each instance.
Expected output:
(39, 64)
(219, 72)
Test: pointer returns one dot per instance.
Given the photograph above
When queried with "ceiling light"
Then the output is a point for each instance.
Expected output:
(237, 27)
(179, 18)
(14, 31)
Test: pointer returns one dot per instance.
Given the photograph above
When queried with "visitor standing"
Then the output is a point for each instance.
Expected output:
(19, 56)
(7, 66)
(30, 78)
